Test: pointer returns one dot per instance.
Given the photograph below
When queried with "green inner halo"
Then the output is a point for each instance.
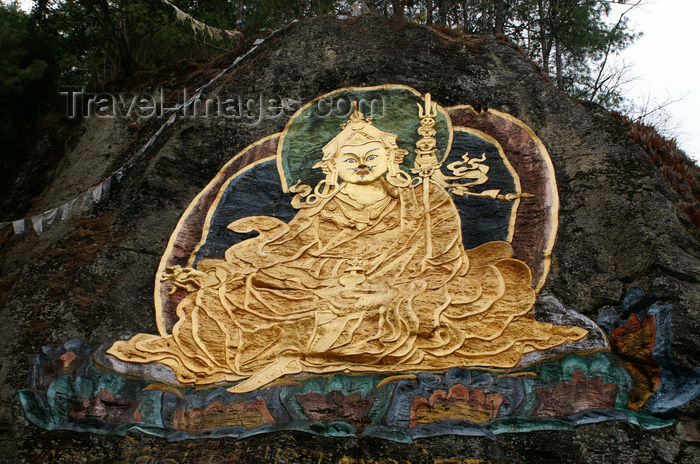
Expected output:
(393, 109)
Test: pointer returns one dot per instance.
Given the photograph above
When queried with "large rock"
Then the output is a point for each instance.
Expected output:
(93, 277)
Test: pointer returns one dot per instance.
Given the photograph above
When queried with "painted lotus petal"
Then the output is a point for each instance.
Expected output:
(461, 403)
(217, 415)
(578, 394)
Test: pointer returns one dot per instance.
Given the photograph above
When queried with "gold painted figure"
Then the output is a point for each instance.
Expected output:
(369, 276)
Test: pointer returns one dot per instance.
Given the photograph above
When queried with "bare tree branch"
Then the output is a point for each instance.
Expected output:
(601, 69)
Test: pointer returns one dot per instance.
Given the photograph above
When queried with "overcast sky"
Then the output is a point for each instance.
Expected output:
(666, 62)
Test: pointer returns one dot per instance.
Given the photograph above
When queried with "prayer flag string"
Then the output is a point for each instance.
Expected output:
(98, 192)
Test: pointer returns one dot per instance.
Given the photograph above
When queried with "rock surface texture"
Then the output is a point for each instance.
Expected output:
(92, 277)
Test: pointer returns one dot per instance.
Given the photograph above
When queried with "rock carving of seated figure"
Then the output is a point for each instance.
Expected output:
(370, 276)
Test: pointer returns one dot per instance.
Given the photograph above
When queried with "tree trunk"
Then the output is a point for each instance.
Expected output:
(398, 9)
(429, 12)
(442, 13)
(486, 17)
(118, 34)
(558, 64)
(465, 15)
(545, 41)
(500, 17)
(125, 55)
(556, 27)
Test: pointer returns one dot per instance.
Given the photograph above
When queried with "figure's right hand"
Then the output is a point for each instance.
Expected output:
(185, 278)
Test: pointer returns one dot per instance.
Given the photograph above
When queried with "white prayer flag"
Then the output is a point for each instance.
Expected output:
(38, 223)
(181, 15)
(106, 185)
(85, 199)
(50, 215)
(66, 209)
(97, 193)
(18, 226)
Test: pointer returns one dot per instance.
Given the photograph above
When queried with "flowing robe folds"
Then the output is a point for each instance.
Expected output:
(325, 293)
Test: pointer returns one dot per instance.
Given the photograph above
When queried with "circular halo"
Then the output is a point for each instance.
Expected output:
(392, 107)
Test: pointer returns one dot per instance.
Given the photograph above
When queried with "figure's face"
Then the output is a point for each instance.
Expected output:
(362, 164)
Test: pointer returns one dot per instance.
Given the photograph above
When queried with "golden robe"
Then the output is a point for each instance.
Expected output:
(339, 288)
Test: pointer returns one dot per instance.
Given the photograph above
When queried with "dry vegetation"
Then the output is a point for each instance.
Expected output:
(680, 171)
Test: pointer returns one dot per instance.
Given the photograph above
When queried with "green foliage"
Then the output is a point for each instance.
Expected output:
(23, 64)
(94, 42)
(26, 86)
(101, 41)
(572, 41)
(98, 41)
(17, 67)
